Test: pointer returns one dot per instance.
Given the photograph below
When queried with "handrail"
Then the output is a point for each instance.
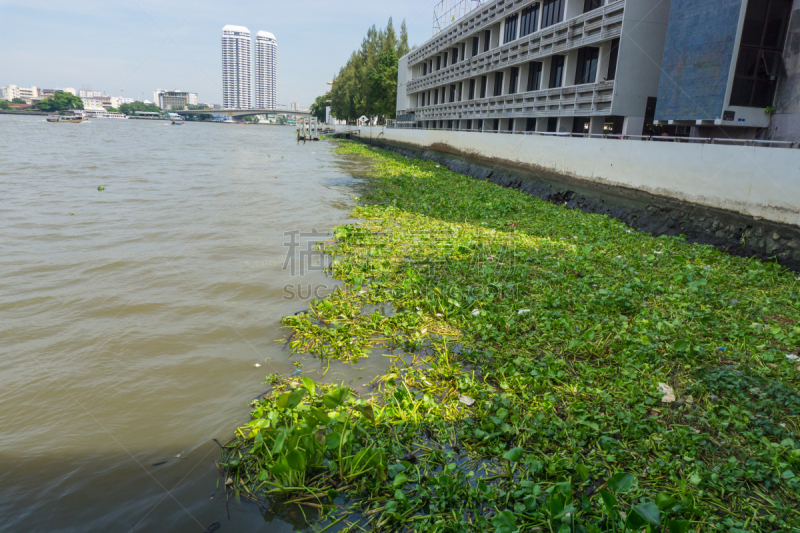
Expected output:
(649, 138)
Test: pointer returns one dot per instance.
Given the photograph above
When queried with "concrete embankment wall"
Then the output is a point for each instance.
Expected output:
(745, 200)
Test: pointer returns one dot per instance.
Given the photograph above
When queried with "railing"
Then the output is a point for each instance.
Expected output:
(649, 138)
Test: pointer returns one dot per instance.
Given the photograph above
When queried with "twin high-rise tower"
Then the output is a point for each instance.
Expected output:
(237, 89)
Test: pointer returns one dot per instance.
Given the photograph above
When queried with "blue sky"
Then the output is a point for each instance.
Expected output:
(118, 46)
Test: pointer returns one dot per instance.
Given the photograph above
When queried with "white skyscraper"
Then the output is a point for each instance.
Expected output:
(266, 70)
(237, 90)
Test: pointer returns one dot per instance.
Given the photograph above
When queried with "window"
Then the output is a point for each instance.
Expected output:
(455, 55)
(438, 62)
(580, 125)
(469, 124)
(484, 83)
(511, 28)
(612, 61)
(460, 91)
(475, 41)
(471, 89)
(436, 97)
(487, 37)
(445, 60)
(759, 61)
(453, 92)
(480, 125)
(587, 65)
(444, 94)
(424, 69)
(552, 124)
(449, 124)
(513, 79)
(463, 51)
(511, 124)
(552, 12)
(535, 76)
(530, 124)
(591, 5)
(556, 71)
(498, 84)
(496, 125)
(530, 20)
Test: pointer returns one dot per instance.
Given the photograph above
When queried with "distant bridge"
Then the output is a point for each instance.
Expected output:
(238, 113)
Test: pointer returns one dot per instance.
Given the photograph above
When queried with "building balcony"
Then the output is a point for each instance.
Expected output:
(590, 28)
(577, 100)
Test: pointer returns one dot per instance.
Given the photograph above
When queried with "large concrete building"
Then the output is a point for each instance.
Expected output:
(29, 94)
(728, 70)
(585, 66)
(266, 66)
(236, 68)
(705, 68)
(174, 100)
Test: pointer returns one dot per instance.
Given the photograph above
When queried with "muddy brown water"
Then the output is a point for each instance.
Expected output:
(131, 318)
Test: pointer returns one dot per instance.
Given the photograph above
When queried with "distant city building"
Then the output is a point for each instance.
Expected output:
(236, 77)
(168, 100)
(294, 106)
(89, 94)
(29, 94)
(266, 67)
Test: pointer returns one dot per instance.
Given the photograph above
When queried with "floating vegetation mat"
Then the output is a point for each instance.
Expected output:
(572, 375)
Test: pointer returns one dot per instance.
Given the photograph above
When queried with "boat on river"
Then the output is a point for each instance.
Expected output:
(65, 118)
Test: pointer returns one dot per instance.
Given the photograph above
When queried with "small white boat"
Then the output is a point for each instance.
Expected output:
(118, 116)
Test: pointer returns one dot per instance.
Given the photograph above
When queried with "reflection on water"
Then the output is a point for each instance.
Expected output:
(131, 318)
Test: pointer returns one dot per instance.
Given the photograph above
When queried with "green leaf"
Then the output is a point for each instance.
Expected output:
(677, 526)
(367, 411)
(513, 455)
(665, 501)
(332, 495)
(333, 440)
(504, 522)
(592, 425)
(321, 418)
(565, 488)
(620, 482)
(649, 511)
(336, 397)
(583, 472)
(279, 468)
(277, 446)
(608, 499)
(634, 522)
(399, 480)
(787, 474)
(308, 383)
(290, 400)
(681, 345)
(555, 506)
(296, 460)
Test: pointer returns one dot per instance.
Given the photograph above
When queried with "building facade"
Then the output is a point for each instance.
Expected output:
(266, 69)
(539, 65)
(731, 69)
(29, 94)
(236, 68)
(169, 100)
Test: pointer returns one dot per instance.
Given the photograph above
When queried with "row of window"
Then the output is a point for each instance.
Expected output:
(586, 72)
(552, 12)
(612, 124)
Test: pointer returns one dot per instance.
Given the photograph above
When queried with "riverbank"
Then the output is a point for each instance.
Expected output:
(577, 373)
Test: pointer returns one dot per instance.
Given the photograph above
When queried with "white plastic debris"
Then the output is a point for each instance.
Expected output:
(792, 357)
(475, 312)
(439, 315)
(669, 394)
(257, 365)
(466, 400)
(523, 311)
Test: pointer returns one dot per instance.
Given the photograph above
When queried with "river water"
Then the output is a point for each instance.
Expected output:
(131, 318)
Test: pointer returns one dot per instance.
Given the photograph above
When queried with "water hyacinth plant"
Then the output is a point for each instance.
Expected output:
(572, 374)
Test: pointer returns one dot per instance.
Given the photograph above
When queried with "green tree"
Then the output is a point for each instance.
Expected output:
(59, 101)
(367, 84)
(318, 108)
(130, 109)
(4, 105)
(18, 101)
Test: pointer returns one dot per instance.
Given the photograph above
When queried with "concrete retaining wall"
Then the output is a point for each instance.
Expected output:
(745, 200)
(754, 181)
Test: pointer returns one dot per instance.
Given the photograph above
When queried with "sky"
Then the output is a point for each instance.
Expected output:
(131, 47)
